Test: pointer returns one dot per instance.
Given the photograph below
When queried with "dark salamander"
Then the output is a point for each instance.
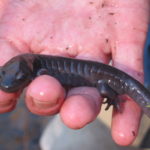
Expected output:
(111, 82)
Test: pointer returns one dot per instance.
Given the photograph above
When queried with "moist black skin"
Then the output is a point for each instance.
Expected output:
(110, 82)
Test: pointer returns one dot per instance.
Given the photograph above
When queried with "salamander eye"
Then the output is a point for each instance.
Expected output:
(2, 73)
(20, 76)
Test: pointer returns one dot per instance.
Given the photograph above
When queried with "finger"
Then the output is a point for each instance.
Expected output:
(81, 107)
(125, 125)
(127, 54)
(44, 96)
(82, 104)
(7, 101)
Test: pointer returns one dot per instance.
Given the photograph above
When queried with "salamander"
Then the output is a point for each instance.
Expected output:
(111, 82)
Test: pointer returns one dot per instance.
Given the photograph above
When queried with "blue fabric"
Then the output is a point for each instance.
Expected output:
(147, 60)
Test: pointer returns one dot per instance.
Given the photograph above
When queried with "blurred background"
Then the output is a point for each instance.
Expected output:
(21, 130)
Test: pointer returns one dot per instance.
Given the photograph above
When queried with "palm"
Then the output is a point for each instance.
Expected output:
(53, 29)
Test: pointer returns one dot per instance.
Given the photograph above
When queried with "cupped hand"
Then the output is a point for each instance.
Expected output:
(94, 30)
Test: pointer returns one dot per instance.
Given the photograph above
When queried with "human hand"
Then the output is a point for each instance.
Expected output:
(84, 29)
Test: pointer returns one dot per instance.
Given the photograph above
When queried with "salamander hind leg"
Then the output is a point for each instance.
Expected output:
(111, 96)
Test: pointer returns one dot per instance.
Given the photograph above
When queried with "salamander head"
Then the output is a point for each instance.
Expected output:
(14, 75)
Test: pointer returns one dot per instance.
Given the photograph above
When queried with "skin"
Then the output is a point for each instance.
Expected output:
(106, 30)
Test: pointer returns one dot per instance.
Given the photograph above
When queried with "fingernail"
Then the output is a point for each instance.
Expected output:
(44, 104)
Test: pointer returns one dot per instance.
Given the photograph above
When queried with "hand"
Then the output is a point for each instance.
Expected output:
(84, 29)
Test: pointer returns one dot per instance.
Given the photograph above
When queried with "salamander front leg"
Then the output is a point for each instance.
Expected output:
(109, 94)
(42, 71)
